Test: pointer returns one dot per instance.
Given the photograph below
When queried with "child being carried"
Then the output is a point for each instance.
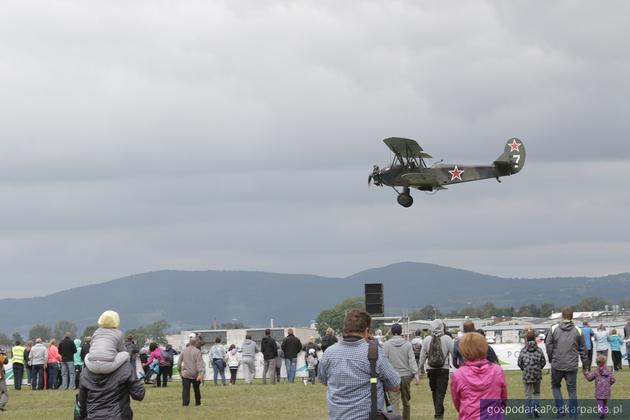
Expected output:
(107, 350)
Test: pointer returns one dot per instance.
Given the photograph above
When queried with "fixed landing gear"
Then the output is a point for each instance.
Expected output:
(404, 198)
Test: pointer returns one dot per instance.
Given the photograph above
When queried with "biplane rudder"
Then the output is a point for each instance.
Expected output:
(512, 159)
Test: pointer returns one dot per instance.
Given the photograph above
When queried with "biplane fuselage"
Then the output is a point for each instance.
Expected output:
(409, 169)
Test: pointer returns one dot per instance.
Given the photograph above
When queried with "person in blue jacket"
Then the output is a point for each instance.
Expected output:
(588, 334)
(615, 347)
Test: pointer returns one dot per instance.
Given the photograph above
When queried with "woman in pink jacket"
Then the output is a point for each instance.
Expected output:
(154, 362)
(53, 366)
(476, 380)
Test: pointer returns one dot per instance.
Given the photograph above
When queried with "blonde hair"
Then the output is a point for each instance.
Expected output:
(601, 360)
(109, 319)
(473, 346)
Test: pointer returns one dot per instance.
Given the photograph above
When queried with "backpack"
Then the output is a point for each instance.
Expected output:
(435, 355)
(167, 356)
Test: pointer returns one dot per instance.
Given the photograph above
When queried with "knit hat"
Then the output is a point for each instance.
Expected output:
(109, 319)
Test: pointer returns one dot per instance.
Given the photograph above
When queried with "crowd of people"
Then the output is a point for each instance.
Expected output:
(364, 373)
(477, 384)
(47, 365)
(105, 366)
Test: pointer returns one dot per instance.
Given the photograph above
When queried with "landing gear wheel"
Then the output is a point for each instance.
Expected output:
(405, 199)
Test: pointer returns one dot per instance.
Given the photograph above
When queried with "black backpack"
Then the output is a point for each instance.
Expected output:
(435, 355)
(168, 358)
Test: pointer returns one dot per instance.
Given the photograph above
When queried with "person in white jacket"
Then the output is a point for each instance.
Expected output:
(38, 359)
(233, 361)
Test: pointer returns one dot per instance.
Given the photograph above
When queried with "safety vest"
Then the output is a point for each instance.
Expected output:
(18, 355)
(553, 329)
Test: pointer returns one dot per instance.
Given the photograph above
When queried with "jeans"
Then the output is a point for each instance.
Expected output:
(312, 374)
(616, 356)
(67, 375)
(162, 377)
(37, 381)
(404, 395)
(532, 397)
(4, 394)
(438, 382)
(53, 374)
(18, 374)
(219, 368)
(186, 383)
(291, 365)
(29, 374)
(570, 377)
(270, 365)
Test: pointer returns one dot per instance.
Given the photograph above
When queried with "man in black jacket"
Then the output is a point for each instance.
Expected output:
(329, 339)
(104, 397)
(291, 346)
(269, 350)
(67, 350)
(85, 348)
(458, 359)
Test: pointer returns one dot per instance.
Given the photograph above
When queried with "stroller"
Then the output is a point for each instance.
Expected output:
(154, 367)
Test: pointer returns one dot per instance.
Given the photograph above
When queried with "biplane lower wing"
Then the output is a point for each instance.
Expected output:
(421, 179)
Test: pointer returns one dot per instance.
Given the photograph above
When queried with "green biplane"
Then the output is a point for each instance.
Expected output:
(409, 169)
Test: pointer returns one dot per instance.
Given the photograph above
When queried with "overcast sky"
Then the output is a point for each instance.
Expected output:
(138, 136)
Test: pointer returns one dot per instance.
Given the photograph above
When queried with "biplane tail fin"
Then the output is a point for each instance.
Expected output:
(513, 158)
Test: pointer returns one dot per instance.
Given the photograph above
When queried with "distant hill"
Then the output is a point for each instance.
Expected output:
(192, 299)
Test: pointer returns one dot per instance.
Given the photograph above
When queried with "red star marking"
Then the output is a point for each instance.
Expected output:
(514, 146)
(456, 173)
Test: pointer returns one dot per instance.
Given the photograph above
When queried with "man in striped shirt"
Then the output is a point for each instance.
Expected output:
(345, 369)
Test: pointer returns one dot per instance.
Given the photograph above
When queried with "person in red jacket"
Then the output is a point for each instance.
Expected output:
(476, 380)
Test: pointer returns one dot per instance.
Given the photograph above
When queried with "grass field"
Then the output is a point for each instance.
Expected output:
(257, 401)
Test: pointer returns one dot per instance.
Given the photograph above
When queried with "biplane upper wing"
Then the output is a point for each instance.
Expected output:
(405, 148)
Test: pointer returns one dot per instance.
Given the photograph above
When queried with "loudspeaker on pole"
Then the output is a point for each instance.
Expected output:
(374, 299)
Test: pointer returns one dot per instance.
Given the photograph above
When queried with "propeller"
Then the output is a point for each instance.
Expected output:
(375, 176)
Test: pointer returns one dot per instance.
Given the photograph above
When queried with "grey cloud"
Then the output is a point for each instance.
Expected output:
(240, 135)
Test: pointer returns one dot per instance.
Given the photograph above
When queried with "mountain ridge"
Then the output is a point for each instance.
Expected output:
(193, 299)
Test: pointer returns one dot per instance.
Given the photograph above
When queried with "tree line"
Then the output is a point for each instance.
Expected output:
(154, 332)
